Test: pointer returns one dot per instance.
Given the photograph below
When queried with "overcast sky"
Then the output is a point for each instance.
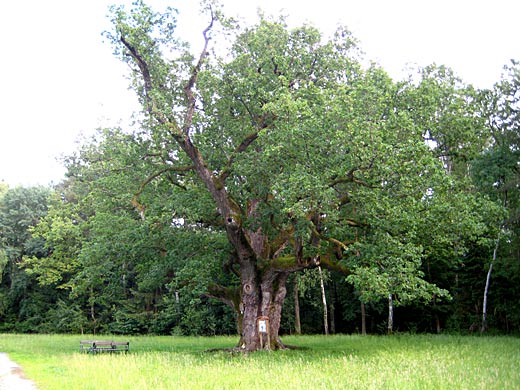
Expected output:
(59, 80)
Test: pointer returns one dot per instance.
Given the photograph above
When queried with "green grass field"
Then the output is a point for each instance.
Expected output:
(335, 362)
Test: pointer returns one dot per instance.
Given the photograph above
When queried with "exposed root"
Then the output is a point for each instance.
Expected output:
(233, 351)
(239, 350)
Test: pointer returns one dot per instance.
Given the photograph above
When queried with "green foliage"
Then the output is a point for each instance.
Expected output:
(3, 188)
(21, 208)
(448, 114)
(321, 159)
(3, 262)
(496, 173)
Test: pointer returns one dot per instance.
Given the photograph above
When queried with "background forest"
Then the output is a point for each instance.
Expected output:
(420, 178)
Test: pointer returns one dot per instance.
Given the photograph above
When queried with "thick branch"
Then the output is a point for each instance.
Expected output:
(285, 264)
(228, 295)
(145, 72)
(343, 245)
(148, 86)
(240, 149)
(351, 178)
(329, 261)
(135, 200)
(188, 89)
(228, 209)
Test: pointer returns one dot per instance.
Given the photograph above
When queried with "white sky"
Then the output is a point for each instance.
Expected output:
(59, 80)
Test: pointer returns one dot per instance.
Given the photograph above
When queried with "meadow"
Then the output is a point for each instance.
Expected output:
(334, 362)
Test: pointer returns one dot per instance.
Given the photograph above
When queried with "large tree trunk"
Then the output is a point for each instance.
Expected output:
(249, 305)
(275, 310)
(263, 297)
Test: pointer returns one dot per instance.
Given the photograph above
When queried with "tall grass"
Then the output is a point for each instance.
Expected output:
(334, 362)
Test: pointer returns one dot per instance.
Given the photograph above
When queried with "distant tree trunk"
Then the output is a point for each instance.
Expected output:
(437, 323)
(390, 314)
(324, 300)
(332, 318)
(93, 310)
(296, 294)
(363, 319)
(486, 288)
(436, 315)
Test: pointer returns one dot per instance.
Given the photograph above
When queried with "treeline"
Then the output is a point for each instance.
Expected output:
(130, 242)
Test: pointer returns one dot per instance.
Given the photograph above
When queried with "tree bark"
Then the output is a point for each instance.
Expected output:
(280, 291)
(297, 321)
(437, 323)
(249, 306)
(363, 319)
(93, 311)
(390, 314)
(332, 317)
(264, 301)
(324, 301)
(486, 288)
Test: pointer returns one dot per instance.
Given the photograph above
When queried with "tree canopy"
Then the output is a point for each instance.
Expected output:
(303, 152)
(284, 153)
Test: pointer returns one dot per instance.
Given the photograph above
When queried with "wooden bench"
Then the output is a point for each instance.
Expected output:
(97, 346)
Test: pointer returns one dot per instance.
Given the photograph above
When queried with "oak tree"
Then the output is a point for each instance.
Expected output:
(286, 144)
